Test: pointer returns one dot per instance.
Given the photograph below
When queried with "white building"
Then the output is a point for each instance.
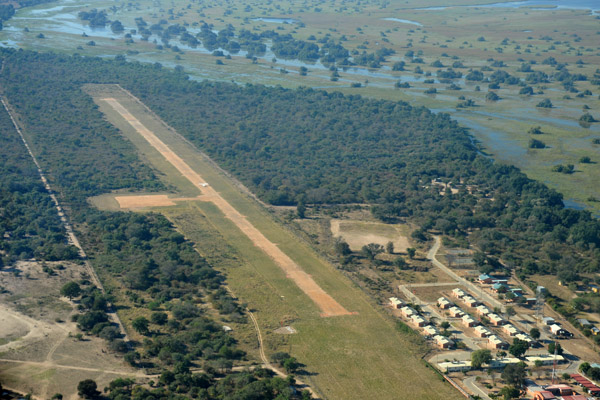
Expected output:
(396, 302)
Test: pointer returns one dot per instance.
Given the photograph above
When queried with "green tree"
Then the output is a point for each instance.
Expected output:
(70, 290)
(555, 346)
(514, 374)
(159, 318)
(132, 357)
(88, 389)
(279, 357)
(546, 103)
(480, 357)
(371, 250)
(342, 248)
(536, 144)
(291, 365)
(509, 392)
(518, 347)
(510, 311)
(400, 263)
(389, 247)
(301, 210)
(535, 333)
(491, 96)
(411, 251)
(536, 130)
(140, 324)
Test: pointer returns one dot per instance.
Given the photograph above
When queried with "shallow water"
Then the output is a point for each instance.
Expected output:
(497, 142)
(571, 203)
(277, 20)
(593, 5)
(404, 21)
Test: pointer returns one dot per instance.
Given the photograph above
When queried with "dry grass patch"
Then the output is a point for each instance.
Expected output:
(360, 233)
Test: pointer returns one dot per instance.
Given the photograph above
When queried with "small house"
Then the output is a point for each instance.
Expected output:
(595, 330)
(443, 342)
(468, 321)
(548, 321)
(500, 281)
(458, 293)
(482, 310)
(431, 330)
(444, 303)
(496, 343)
(454, 366)
(524, 337)
(595, 288)
(396, 302)
(517, 291)
(558, 330)
(485, 279)
(499, 287)
(407, 311)
(560, 390)
(543, 395)
(418, 320)
(456, 312)
(482, 331)
(503, 362)
(495, 319)
(510, 330)
(470, 301)
(576, 397)
(533, 389)
(584, 322)
(530, 301)
(545, 359)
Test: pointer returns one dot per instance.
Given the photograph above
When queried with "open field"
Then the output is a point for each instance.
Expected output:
(360, 233)
(476, 36)
(38, 353)
(349, 356)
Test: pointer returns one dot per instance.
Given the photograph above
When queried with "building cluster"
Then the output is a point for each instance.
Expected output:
(555, 328)
(482, 312)
(501, 286)
(584, 382)
(585, 324)
(500, 363)
(551, 392)
(419, 321)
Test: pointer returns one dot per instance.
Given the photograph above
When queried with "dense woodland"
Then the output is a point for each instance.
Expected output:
(155, 268)
(29, 222)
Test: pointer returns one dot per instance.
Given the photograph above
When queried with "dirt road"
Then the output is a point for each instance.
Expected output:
(329, 306)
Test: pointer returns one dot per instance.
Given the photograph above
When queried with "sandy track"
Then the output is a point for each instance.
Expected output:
(329, 306)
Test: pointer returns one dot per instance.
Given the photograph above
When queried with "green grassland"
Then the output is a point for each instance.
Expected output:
(510, 35)
(356, 356)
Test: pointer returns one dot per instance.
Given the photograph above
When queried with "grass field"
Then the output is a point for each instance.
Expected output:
(354, 356)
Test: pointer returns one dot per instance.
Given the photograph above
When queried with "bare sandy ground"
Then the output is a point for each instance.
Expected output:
(38, 351)
(329, 306)
(360, 233)
(132, 202)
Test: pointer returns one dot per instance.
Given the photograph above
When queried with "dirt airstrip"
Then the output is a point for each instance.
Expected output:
(329, 306)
